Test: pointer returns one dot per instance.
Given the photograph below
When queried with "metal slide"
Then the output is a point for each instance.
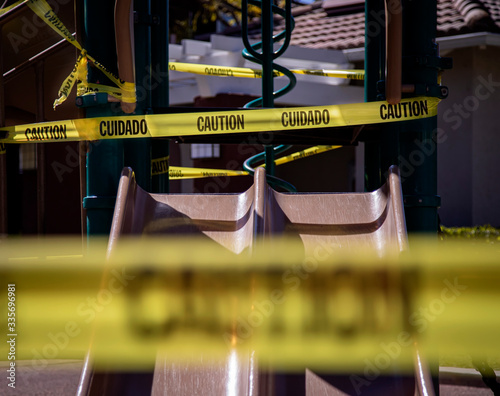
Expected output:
(237, 222)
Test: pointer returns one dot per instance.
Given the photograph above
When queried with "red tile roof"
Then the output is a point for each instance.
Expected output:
(318, 26)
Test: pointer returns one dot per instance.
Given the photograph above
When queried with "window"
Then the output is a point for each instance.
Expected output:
(205, 151)
(27, 157)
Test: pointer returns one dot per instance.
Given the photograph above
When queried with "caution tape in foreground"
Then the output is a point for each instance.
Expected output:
(218, 122)
(188, 297)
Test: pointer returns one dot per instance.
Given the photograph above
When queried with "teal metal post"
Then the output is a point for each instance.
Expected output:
(138, 151)
(104, 158)
(267, 25)
(160, 88)
(374, 72)
(408, 144)
(418, 158)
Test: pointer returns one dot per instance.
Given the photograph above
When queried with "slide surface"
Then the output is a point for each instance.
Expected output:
(238, 221)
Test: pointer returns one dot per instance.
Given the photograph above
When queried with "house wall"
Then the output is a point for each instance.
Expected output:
(468, 158)
(454, 154)
(486, 139)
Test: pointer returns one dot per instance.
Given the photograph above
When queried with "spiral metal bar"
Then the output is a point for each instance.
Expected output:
(251, 51)
(264, 54)
(249, 164)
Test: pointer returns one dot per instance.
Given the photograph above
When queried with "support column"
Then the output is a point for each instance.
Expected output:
(105, 158)
(409, 144)
(267, 25)
(374, 72)
(418, 147)
(160, 148)
(137, 152)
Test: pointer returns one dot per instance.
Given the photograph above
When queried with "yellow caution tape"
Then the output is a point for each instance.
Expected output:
(78, 73)
(47, 14)
(356, 74)
(187, 297)
(245, 72)
(124, 91)
(3, 149)
(159, 166)
(8, 8)
(218, 122)
(178, 172)
(303, 154)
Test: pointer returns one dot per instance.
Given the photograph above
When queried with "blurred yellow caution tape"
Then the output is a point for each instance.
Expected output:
(245, 72)
(160, 165)
(222, 122)
(327, 309)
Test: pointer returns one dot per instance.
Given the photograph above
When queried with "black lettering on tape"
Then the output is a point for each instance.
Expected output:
(383, 109)
(403, 110)
(144, 127)
(390, 111)
(215, 71)
(128, 128)
(424, 107)
(159, 167)
(416, 109)
(123, 128)
(48, 132)
(215, 123)
(303, 118)
(175, 173)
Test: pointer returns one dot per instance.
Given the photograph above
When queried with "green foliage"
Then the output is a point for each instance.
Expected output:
(465, 361)
(479, 234)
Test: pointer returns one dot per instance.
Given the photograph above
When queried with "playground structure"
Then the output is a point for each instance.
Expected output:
(238, 221)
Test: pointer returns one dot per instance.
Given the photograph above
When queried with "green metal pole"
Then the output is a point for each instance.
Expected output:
(138, 151)
(267, 54)
(267, 72)
(408, 144)
(418, 158)
(374, 72)
(160, 91)
(105, 158)
(382, 149)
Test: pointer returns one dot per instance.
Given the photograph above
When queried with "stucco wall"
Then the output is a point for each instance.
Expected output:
(468, 155)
